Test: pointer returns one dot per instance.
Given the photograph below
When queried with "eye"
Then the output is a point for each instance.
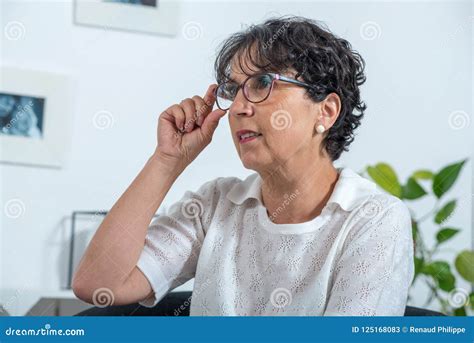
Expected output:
(261, 81)
(230, 90)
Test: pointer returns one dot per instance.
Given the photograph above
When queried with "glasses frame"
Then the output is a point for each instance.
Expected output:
(275, 77)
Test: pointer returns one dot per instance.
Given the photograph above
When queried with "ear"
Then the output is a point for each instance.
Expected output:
(330, 109)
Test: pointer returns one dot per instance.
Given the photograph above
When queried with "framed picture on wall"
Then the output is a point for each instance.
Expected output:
(143, 16)
(35, 117)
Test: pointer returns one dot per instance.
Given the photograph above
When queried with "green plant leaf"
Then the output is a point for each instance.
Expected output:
(423, 174)
(414, 230)
(412, 190)
(446, 177)
(445, 234)
(436, 267)
(445, 212)
(419, 263)
(441, 272)
(384, 175)
(460, 311)
(471, 300)
(465, 265)
(447, 282)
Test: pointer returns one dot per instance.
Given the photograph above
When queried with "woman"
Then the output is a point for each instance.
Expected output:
(299, 236)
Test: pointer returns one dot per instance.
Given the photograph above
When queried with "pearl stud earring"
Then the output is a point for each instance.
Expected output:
(320, 128)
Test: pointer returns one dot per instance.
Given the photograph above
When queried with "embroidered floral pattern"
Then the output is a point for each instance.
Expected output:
(256, 282)
(354, 264)
(286, 243)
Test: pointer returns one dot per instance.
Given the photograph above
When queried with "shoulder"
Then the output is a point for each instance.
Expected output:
(380, 205)
(218, 187)
(381, 214)
(211, 195)
(203, 201)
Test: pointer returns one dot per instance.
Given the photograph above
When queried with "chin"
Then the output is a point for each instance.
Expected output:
(249, 162)
(254, 163)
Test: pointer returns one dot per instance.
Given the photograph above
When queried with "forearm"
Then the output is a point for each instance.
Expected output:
(117, 244)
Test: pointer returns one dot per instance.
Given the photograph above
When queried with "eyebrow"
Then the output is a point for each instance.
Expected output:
(231, 79)
(246, 75)
(234, 80)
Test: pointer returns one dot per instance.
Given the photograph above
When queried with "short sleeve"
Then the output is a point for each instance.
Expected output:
(375, 269)
(173, 242)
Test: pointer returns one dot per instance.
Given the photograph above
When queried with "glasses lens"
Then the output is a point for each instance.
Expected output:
(258, 87)
(225, 95)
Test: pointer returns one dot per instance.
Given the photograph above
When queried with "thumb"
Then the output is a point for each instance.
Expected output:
(211, 121)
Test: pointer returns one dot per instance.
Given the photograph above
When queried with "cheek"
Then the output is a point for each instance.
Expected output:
(232, 130)
(275, 144)
(284, 141)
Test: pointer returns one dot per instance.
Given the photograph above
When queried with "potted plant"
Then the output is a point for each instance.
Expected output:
(435, 272)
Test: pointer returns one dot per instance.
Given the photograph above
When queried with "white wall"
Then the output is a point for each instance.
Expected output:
(419, 71)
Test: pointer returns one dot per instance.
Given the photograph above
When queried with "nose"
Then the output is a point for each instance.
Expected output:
(241, 106)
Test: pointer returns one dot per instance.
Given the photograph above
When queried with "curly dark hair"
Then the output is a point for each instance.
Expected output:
(319, 58)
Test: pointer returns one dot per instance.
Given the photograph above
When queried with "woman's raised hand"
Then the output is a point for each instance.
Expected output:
(185, 129)
(134, 210)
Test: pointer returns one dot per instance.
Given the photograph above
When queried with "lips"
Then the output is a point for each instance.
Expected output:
(245, 135)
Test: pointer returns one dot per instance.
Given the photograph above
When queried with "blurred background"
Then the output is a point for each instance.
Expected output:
(82, 84)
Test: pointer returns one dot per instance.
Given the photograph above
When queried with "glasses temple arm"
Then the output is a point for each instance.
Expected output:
(287, 79)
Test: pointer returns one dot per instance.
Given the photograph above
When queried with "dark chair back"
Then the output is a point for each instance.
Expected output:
(416, 311)
(170, 305)
(174, 304)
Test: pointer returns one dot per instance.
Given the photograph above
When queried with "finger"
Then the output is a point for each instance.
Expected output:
(209, 100)
(211, 121)
(190, 112)
(210, 96)
(201, 109)
(178, 115)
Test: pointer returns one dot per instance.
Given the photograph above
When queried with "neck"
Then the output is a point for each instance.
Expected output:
(298, 193)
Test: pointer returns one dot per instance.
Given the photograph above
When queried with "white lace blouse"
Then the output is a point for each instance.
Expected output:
(354, 259)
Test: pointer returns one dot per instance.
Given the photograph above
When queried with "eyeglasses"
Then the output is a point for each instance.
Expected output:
(256, 88)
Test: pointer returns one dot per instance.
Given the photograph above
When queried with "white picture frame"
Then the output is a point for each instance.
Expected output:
(161, 19)
(51, 147)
